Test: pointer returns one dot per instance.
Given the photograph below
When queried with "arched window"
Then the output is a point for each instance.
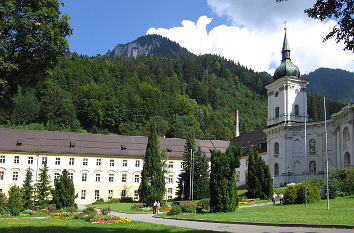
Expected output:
(277, 112)
(312, 167)
(276, 150)
(346, 138)
(276, 169)
(346, 159)
(296, 109)
(312, 146)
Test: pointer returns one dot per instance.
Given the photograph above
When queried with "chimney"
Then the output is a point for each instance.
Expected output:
(237, 132)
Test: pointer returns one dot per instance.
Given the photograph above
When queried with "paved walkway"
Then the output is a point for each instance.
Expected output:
(226, 227)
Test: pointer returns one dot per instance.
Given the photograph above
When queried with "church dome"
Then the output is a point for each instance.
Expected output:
(286, 68)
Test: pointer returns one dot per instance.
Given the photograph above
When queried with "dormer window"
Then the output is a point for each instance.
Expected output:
(72, 145)
(19, 142)
(123, 147)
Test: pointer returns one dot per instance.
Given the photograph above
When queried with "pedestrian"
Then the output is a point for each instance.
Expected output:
(158, 207)
(154, 206)
(281, 197)
(274, 198)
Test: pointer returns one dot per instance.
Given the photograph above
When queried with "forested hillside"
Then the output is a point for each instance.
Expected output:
(181, 93)
(335, 84)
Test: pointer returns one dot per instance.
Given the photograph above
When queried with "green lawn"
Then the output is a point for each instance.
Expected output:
(118, 207)
(82, 226)
(341, 212)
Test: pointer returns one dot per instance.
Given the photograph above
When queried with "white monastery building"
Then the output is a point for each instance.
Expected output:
(109, 166)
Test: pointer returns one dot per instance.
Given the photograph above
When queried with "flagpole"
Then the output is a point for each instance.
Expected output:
(306, 167)
(324, 104)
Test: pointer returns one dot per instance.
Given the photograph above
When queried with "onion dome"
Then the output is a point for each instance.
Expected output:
(286, 68)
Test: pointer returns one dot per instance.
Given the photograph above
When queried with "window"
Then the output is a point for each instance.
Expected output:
(312, 167)
(84, 177)
(312, 146)
(1, 175)
(30, 160)
(277, 112)
(125, 163)
(347, 159)
(110, 194)
(2, 159)
(72, 145)
(137, 178)
(57, 161)
(136, 195)
(71, 161)
(238, 176)
(183, 164)
(170, 164)
(15, 176)
(276, 150)
(111, 177)
(137, 163)
(124, 178)
(98, 162)
(123, 194)
(111, 163)
(170, 179)
(276, 169)
(169, 190)
(44, 160)
(17, 159)
(98, 177)
(296, 108)
(85, 161)
(97, 194)
(56, 175)
(276, 94)
(169, 197)
(83, 194)
(71, 176)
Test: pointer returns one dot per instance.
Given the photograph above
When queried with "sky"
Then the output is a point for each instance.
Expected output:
(249, 32)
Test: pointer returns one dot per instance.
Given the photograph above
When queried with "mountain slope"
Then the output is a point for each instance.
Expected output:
(335, 84)
(147, 45)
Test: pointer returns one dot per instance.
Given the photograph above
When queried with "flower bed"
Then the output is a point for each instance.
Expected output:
(111, 221)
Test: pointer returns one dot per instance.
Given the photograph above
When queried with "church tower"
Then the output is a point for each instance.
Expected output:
(287, 98)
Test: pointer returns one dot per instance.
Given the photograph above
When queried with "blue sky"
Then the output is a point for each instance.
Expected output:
(250, 32)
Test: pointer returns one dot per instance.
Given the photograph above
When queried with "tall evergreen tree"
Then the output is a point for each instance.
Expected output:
(152, 186)
(27, 190)
(64, 192)
(184, 176)
(200, 176)
(43, 187)
(259, 181)
(223, 192)
(15, 202)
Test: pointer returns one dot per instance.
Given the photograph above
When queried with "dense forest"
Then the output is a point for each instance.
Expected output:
(182, 93)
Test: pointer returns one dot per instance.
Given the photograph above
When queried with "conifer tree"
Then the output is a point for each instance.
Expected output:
(223, 192)
(184, 176)
(201, 176)
(152, 186)
(253, 183)
(43, 187)
(15, 202)
(64, 192)
(27, 190)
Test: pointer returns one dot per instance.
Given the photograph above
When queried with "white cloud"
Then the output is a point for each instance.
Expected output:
(257, 38)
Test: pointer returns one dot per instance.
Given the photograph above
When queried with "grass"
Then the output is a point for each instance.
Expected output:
(341, 212)
(82, 226)
(118, 207)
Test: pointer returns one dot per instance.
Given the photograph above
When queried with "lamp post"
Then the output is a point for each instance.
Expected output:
(288, 174)
(183, 182)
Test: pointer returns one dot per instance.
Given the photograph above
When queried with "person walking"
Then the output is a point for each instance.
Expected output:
(281, 198)
(154, 207)
(158, 207)
(274, 198)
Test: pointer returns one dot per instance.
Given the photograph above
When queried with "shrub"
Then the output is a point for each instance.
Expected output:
(295, 194)
(2, 201)
(189, 207)
(126, 200)
(51, 208)
(90, 211)
(99, 201)
(344, 178)
(175, 210)
(114, 200)
(175, 203)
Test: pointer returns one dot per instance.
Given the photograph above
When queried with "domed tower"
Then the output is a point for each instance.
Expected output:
(287, 98)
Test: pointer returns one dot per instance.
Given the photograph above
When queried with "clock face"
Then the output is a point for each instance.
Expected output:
(276, 94)
(297, 91)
